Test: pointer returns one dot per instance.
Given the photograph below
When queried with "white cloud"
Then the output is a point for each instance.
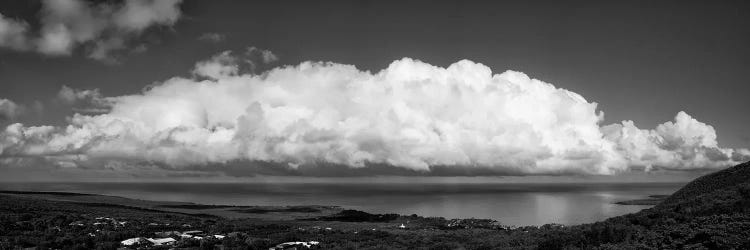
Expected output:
(103, 49)
(411, 115)
(219, 66)
(104, 28)
(685, 143)
(13, 33)
(741, 155)
(226, 63)
(70, 95)
(68, 22)
(9, 110)
(138, 15)
(266, 56)
(84, 101)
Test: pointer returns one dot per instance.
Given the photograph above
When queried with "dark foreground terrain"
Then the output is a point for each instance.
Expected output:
(712, 212)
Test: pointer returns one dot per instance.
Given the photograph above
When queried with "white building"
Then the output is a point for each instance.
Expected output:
(294, 245)
(131, 241)
(162, 241)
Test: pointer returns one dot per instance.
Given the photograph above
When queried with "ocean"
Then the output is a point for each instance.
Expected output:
(516, 204)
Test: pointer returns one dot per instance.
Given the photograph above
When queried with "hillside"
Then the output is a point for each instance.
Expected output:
(734, 179)
(711, 212)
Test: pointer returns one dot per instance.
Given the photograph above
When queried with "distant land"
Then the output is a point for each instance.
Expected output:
(651, 200)
(224, 211)
(711, 212)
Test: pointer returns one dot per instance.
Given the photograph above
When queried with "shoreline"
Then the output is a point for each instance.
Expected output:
(652, 200)
(269, 213)
(522, 203)
(230, 211)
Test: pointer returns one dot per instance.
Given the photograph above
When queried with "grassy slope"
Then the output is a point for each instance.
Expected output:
(728, 181)
(711, 212)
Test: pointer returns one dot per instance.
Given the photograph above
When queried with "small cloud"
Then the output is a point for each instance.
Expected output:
(269, 57)
(212, 37)
(102, 50)
(741, 155)
(266, 56)
(103, 29)
(84, 101)
(219, 66)
(13, 33)
(227, 63)
(71, 96)
(9, 110)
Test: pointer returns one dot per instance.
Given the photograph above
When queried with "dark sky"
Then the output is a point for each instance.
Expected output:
(640, 60)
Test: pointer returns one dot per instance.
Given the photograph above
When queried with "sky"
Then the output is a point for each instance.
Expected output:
(364, 88)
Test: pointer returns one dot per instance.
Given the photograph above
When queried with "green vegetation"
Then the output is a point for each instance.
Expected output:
(195, 206)
(359, 216)
(712, 212)
(49, 193)
(291, 209)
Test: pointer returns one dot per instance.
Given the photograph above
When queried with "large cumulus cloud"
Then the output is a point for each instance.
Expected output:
(411, 115)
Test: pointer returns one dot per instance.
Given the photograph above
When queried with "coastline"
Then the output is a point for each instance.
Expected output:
(510, 203)
(652, 200)
(271, 213)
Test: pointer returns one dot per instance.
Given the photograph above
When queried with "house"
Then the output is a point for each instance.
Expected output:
(162, 241)
(196, 234)
(132, 241)
(294, 245)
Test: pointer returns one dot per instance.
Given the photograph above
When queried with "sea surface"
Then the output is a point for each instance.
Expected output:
(510, 203)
